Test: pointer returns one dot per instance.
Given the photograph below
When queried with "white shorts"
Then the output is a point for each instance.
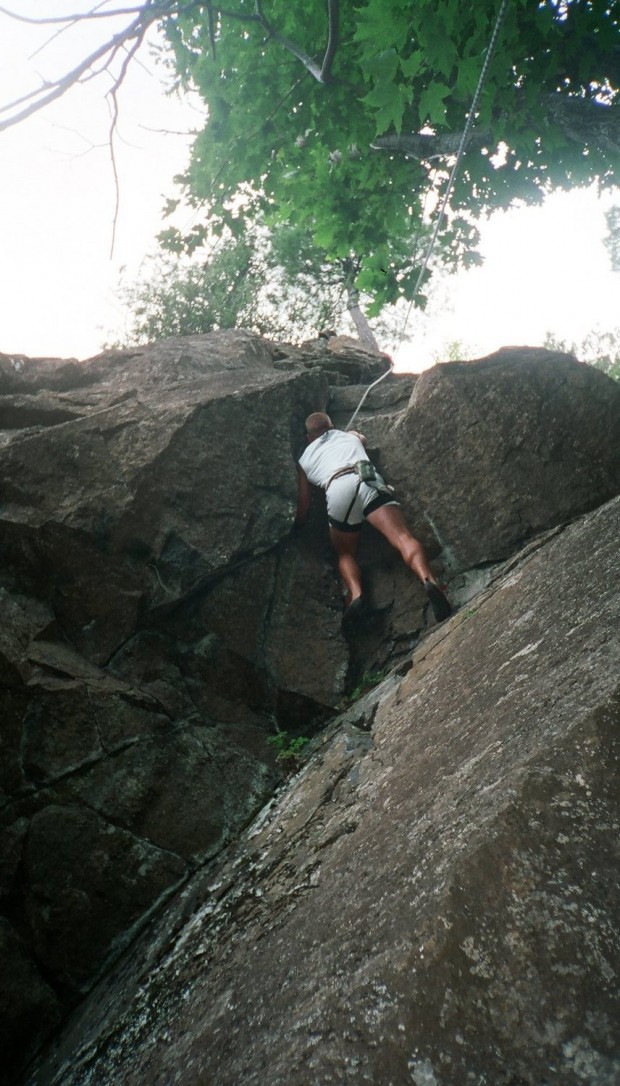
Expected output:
(340, 494)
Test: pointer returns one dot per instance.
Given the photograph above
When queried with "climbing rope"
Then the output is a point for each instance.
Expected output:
(459, 155)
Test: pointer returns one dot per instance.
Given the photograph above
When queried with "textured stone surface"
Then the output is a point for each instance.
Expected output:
(491, 452)
(150, 599)
(160, 621)
(432, 900)
(182, 790)
(180, 464)
(29, 1008)
(88, 882)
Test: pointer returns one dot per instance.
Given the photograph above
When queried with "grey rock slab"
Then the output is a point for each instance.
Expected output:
(492, 452)
(428, 902)
(182, 466)
(160, 623)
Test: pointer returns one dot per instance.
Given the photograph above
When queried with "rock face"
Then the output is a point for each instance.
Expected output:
(432, 900)
(494, 451)
(160, 621)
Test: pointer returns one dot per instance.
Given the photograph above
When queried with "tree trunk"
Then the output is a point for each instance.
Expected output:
(362, 326)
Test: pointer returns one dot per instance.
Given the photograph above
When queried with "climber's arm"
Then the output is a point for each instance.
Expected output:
(356, 433)
(304, 495)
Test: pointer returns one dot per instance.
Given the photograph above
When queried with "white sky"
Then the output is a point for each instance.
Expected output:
(546, 269)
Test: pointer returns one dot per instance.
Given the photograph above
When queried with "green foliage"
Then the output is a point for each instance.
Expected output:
(273, 282)
(288, 143)
(176, 298)
(367, 682)
(455, 350)
(610, 366)
(599, 349)
(288, 749)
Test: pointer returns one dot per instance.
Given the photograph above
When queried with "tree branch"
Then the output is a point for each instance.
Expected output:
(322, 74)
(333, 13)
(246, 18)
(113, 126)
(586, 121)
(582, 120)
(48, 20)
(211, 28)
(362, 327)
(287, 44)
(146, 14)
(61, 30)
(48, 92)
(425, 146)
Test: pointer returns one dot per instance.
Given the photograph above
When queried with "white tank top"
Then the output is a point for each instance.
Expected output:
(328, 453)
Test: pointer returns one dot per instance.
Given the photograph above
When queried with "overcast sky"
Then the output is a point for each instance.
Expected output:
(546, 269)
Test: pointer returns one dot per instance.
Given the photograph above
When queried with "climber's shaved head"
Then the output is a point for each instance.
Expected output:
(317, 424)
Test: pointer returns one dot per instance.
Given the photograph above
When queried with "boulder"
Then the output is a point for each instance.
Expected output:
(494, 451)
(179, 464)
(169, 790)
(184, 790)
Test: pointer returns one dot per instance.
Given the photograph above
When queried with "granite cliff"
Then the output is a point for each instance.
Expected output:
(430, 898)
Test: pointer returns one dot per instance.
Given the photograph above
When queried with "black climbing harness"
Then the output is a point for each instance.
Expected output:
(366, 473)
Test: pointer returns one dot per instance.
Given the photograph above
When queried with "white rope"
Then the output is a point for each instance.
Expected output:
(459, 154)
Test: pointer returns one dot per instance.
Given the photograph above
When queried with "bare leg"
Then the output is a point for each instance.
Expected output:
(345, 545)
(389, 520)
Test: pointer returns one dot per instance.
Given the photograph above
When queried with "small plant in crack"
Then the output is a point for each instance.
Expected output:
(368, 681)
(288, 749)
(470, 612)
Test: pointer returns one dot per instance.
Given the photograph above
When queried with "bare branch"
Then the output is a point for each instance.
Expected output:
(47, 93)
(145, 14)
(169, 131)
(117, 192)
(61, 30)
(48, 20)
(113, 127)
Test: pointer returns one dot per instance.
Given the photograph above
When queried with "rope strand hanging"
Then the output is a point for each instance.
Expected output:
(444, 203)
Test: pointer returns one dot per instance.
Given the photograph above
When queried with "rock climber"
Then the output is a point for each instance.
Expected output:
(332, 460)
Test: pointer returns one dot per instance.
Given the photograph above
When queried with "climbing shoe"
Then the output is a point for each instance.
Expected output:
(439, 603)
